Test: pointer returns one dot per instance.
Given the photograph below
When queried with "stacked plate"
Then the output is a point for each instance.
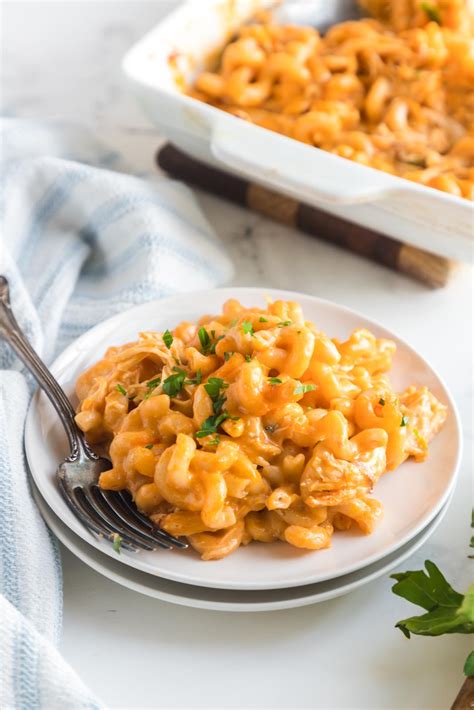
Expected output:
(257, 577)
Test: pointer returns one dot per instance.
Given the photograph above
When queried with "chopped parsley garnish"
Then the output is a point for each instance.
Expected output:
(215, 441)
(204, 339)
(194, 380)
(404, 421)
(173, 384)
(247, 358)
(228, 355)
(213, 387)
(284, 323)
(247, 327)
(149, 446)
(263, 320)
(212, 423)
(117, 542)
(167, 339)
(302, 389)
(275, 380)
(431, 12)
(381, 401)
(121, 389)
(151, 385)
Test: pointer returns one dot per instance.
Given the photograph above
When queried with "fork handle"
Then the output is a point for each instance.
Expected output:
(11, 332)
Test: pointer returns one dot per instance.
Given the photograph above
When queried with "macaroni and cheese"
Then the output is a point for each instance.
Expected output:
(254, 425)
(394, 92)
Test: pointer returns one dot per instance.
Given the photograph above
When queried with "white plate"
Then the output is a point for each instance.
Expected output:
(224, 599)
(411, 496)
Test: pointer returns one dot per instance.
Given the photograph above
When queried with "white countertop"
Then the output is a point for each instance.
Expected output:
(62, 60)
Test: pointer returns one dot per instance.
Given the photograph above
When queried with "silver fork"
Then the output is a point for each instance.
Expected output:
(108, 514)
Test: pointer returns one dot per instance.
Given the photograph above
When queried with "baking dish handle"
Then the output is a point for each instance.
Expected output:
(288, 165)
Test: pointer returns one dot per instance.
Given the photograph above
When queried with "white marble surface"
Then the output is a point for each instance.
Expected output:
(62, 60)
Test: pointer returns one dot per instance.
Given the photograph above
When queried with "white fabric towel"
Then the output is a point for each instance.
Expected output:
(80, 242)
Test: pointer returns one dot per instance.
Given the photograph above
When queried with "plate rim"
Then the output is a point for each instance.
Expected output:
(230, 292)
(68, 538)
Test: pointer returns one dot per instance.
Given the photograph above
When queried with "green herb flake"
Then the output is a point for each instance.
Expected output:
(382, 401)
(275, 380)
(263, 320)
(404, 421)
(214, 385)
(284, 323)
(228, 355)
(247, 327)
(447, 610)
(194, 380)
(121, 389)
(247, 358)
(302, 389)
(431, 12)
(205, 340)
(149, 446)
(151, 385)
(117, 543)
(215, 441)
(167, 339)
(173, 384)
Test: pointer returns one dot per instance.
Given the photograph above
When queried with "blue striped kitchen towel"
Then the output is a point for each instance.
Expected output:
(79, 243)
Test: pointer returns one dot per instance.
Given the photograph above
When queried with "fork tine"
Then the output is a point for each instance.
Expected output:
(94, 510)
(121, 511)
(86, 519)
(146, 522)
(117, 517)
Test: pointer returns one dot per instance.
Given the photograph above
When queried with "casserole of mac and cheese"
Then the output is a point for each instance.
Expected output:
(253, 425)
(394, 91)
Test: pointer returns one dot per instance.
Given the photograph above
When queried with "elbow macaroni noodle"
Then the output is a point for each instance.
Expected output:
(253, 425)
(394, 93)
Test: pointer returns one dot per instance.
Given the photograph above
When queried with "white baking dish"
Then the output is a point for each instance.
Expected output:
(181, 45)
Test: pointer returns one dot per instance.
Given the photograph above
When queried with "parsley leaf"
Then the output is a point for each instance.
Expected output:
(284, 323)
(247, 327)
(117, 542)
(195, 380)
(381, 401)
(167, 339)
(214, 385)
(447, 611)
(149, 446)
(263, 320)
(121, 389)
(431, 12)
(302, 389)
(173, 384)
(212, 423)
(404, 421)
(228, 355)
(275, 380)
(247, 358)
(204, 339)
(151, 385)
